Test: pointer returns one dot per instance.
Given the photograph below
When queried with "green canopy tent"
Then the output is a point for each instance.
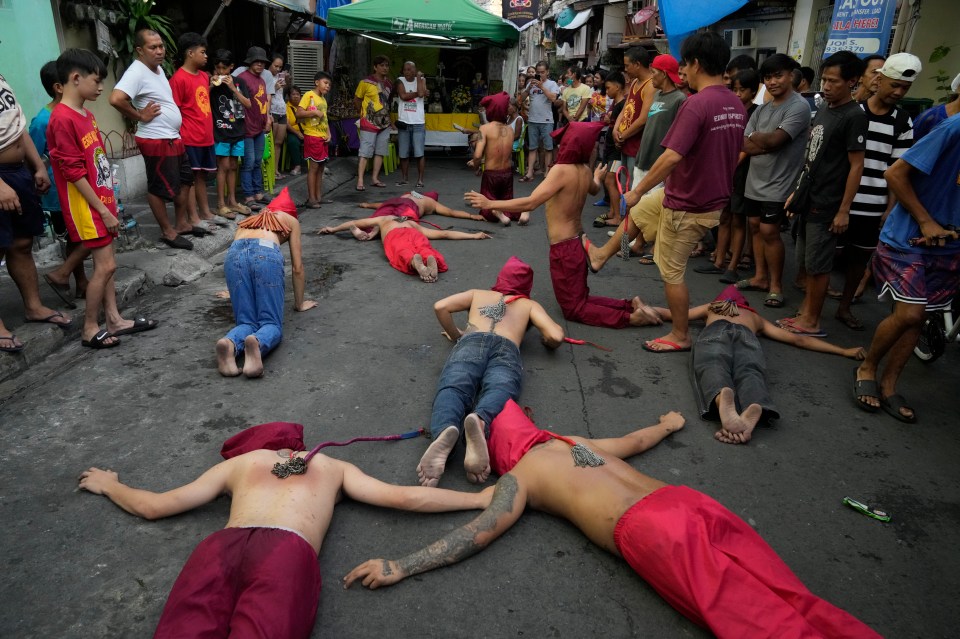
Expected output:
(455, 23)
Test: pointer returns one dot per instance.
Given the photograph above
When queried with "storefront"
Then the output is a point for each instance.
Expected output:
(460, 48)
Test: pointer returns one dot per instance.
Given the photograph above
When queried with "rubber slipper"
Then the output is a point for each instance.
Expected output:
(196, 231)
(227, 212)
(179, 242)
(99, 341)
(730, 277)
(14, 347)
(379, 185)
(791, 327)
(139, 325)
(586, 243)
(865, 388)
(709, 269)
(674, 347)
(892, 405)
(774, 300)
(419, 185)
(402, 183)
(600, 221)
(526, 179)
(647, 260)
(850, 322)
(745, 285)
(360, 188)
(46, 320)
(602, 202)
(61, 292)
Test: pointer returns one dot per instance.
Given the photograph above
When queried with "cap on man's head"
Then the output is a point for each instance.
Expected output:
(515, 278)
(669, 65)
(577, 140)
(283, 202)
(272, 436)
(256, 54)
(901, 66)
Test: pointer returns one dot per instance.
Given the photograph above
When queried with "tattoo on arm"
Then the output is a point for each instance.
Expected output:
(464, 541)
(386, 568)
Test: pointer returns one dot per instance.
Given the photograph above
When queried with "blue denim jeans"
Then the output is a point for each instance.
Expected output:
(483, 363)
(254, 272)
(251, 172)
(729, 355)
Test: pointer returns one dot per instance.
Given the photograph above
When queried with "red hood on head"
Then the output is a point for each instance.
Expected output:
(433, 195)
(496, 106)
(732, 294)
(512, 434)
(577, 140)
(515, 278)
(283, 202)
(272, 436)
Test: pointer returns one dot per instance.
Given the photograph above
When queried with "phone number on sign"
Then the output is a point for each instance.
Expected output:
(857, 45)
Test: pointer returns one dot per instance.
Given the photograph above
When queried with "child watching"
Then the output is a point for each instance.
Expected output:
(59, 278)
(84, 184)
(227, 100)
(312, 116)
(191, 93)
(294, 134)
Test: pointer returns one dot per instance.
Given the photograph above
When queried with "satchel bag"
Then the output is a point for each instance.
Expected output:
(800, 202)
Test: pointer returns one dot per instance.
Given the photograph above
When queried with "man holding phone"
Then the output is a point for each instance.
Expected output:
(543, 92)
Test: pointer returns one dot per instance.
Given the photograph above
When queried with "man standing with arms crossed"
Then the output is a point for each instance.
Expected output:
(143, 95)
(411, 88)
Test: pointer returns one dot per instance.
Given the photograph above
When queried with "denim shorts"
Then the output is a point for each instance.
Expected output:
(414, 135)
(539, 133)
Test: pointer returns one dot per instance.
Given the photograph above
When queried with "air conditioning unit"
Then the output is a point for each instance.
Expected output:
(740, 38)
(306, 58)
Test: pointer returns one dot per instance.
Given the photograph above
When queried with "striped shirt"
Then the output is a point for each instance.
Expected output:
(888, 137)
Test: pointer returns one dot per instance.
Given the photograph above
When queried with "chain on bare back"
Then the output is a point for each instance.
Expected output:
(293, 466)
(494, 312)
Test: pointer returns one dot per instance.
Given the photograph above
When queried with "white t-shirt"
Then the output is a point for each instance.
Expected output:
(144, 86)
(12, 120)
(410, 111)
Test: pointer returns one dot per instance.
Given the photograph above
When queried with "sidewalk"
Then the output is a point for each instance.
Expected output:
(143, 262)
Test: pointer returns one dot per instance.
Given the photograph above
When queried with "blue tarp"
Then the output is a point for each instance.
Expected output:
(680, 18)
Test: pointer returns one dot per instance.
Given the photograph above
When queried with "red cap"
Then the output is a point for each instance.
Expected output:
(669, 65)
(496, 106)
(272, 436)
(515, 278)
(577, 140)
(283, 202)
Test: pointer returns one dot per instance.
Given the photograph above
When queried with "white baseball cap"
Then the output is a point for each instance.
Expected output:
(902, 66)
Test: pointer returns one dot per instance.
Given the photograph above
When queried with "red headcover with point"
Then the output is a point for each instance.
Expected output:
(272, 436)
(496, 106)
(577, 140)
(512, 434)
(515, 278)
(283, 202)
(433, 195)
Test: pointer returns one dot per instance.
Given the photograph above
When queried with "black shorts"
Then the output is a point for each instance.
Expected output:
(768, 212)
(28, 223)
(168, 167)
(863, 232)
(737, 202)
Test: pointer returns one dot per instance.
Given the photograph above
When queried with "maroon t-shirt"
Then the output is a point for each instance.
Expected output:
(708, 133)
(255, 121)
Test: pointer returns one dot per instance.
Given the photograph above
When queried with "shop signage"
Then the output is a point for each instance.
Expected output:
(861, 26)
(521, 13)
(410, 25)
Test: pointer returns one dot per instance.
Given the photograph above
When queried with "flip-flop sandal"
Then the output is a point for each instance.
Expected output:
(196, 231)
(586, 243)
(647, 260)
(745, 264)
(526, 179)
(745, 285)
(865, 388)
(419, 185)
(379, 185)
(46, 320)
(179, 242)
(709, 269)
(402, 183)
(774, 300)
(892, 405)
(139, 325)
(14, 347)
(850, 322)
(61, 292)
(674, 347)
(227, 212)
(791, 327)
(99, 341)
(360, 188)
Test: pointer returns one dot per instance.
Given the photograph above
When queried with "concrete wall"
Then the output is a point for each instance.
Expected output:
(28, 39)
(939, 24)
(770, 34)
(802, 30)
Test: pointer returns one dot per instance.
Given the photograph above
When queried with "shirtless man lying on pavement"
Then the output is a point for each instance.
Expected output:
(704, 560)
(729, 367)
(486, 360)
(564, 191)
(495, 153)
(405, 243)
(259, 575)
(424, 208)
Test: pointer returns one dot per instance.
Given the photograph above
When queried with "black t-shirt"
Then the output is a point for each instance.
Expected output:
(611, 152)
(833, 133)
(228, 113)
(740, 174)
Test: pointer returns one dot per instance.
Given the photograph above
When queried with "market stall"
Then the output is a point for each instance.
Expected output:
(458, 29)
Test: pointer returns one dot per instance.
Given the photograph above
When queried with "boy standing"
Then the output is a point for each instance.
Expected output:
(191, 93)
(59, 278)
(835, 155)
(229, 101)
(312, 117)
(84, 183)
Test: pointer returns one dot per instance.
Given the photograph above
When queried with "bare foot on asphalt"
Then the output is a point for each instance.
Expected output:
(434, 460)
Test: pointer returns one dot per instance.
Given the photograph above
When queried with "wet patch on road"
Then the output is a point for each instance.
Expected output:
(613, 385)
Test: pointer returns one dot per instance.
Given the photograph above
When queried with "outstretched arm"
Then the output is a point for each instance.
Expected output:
(364, 223)
(695, 313)
(806, 342)
(440, 209)
(639, 440)
(361, 487)
(445, 309)
(546, 190)
(509, 499)
(151, 505)
(551, 332)
(434, 234)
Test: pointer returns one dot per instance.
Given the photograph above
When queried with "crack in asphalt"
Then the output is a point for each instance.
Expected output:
(576, 370)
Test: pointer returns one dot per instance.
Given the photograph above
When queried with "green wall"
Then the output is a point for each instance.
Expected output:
(28, 39)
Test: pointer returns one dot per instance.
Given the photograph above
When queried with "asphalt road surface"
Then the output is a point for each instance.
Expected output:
(365, 363)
